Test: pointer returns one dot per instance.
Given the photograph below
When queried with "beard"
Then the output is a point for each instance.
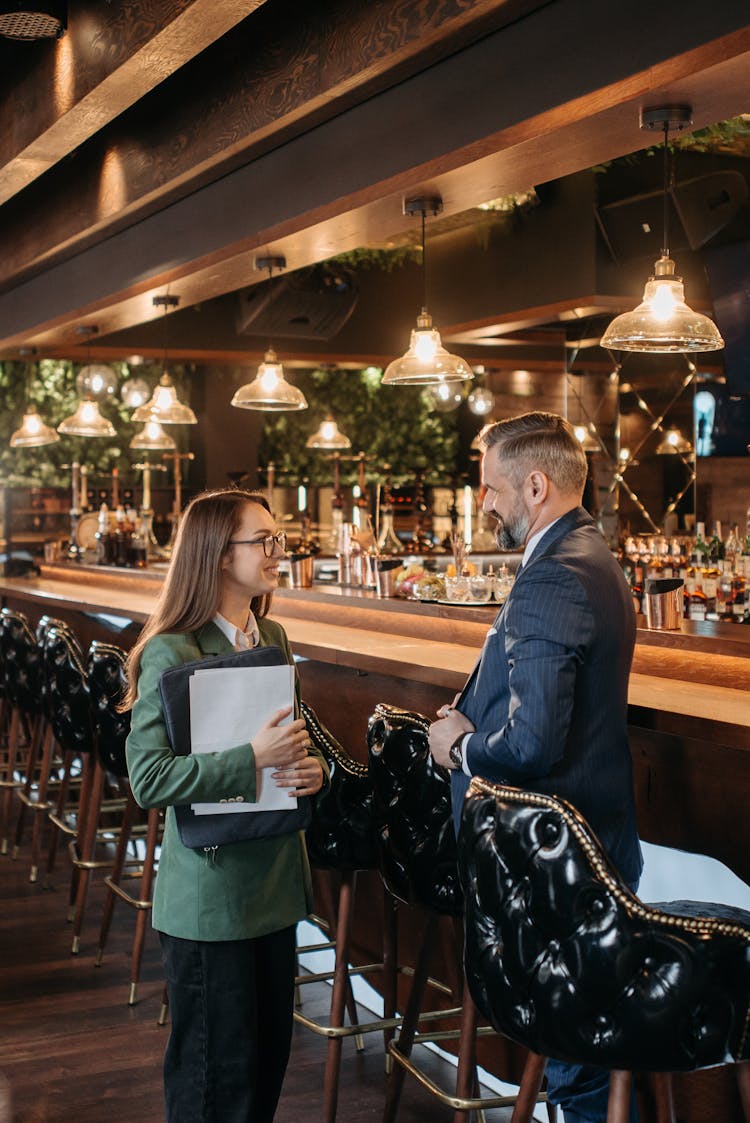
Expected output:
(511, 532)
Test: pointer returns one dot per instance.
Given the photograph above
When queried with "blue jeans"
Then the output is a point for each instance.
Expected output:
(231, 1005)
(582, 1092)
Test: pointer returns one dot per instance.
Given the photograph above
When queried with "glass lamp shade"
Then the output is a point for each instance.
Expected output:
(33, 432)
(97, 381)
(153, 436)
(445, 396)
(165, 407)
(481, 401)
(269, 390)
(328, 436)
(135, 392)
(426, 363)
(87, 422)
(673, 442)
(662, 322)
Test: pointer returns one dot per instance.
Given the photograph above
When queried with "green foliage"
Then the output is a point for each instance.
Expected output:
(384, 259)
(394, 425)
(732, 138)
(50, 385)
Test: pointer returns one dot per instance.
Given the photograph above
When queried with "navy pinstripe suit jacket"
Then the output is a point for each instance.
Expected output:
(548, 696)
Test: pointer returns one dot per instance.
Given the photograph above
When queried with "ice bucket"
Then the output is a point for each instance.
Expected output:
(662, 602)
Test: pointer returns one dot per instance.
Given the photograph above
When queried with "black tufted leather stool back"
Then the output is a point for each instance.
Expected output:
(563, 958)
(105, 666)
(418, 852)
(21, 662)
(342, 833)
(66, 695)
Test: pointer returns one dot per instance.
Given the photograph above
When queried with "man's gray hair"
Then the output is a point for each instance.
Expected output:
(538, 441)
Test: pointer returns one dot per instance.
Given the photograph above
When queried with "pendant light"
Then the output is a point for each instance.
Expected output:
(154, 437)
(91, 387)
(663, 322)
(164, 406)
(426, 362)
(328, 436)
(269, 391)
(33, 432)
(87, 422)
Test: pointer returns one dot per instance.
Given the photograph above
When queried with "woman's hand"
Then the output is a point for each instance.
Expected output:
(304, 778)
(281, 746)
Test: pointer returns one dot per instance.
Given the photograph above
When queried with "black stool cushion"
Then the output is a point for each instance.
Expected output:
(66, 692)
(22, 663)
(418, 855)
(342, 834)
(563, 958)
(105, 666)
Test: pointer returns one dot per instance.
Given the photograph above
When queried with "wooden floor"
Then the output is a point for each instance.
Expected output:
(73, 1051)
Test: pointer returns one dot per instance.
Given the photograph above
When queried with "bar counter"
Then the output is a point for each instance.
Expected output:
(689, 717)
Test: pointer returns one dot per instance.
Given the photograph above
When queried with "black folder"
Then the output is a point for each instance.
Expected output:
(208, 831)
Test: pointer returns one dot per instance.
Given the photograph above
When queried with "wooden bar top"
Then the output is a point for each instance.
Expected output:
(700, 672)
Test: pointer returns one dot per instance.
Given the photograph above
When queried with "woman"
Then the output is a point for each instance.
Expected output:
(226, 921)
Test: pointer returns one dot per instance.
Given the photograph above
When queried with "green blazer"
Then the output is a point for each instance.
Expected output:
(241, 890)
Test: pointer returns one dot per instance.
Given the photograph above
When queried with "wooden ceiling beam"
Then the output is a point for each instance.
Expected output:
(111, 56)
(226, 103)
(505, 112)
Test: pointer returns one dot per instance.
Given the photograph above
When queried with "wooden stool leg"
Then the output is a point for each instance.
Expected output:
(531, 1082)
(36, 731)
(142, 914)
(13, 735)
(466, 1082)
(618, 1110)
(390, 968)
(59, 810)
(86, 852)
(411, 1017)
(341, 985)
(126, 829)
(40, 817)
(743, 1083)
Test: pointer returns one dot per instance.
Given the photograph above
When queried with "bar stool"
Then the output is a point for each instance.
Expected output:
(68, 737)
(341, 842)
(21, 660)
(419, 864)
(563, 958)
(107, 683)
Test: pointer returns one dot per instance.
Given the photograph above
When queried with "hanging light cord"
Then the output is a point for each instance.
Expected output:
(665, 241)
(424, 263)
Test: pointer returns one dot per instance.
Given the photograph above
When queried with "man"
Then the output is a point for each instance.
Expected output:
(546, 705)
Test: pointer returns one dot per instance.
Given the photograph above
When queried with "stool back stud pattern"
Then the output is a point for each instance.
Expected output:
(564, 959)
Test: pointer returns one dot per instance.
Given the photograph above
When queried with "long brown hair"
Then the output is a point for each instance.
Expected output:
(191, 592)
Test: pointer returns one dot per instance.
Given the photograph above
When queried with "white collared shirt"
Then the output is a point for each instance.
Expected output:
(240, 639)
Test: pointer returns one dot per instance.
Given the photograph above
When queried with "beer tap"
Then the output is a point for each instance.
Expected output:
(153, 549)
(176, 458)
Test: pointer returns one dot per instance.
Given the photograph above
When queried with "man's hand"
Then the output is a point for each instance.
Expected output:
(445, 731)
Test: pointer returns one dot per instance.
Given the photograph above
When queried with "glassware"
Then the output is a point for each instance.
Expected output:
(458, 589)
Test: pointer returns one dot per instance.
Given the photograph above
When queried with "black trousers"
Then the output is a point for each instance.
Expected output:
(231, 1004)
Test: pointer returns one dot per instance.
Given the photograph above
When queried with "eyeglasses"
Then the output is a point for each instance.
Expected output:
(267, 543)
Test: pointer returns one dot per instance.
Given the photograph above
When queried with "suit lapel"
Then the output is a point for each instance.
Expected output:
(211, 640)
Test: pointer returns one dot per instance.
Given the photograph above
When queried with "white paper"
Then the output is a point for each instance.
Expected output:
(228, 705)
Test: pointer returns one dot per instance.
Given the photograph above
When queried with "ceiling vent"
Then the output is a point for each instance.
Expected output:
(312, 303)
(32, 20)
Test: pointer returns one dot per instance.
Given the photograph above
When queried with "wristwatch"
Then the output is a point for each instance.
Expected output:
(456, 751)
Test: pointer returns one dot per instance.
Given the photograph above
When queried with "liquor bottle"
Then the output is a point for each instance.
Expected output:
(138, 545)
(700, 549)
(697, 607)
(103, 537)
(716, 545)
(122, 537)
(732, 548)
